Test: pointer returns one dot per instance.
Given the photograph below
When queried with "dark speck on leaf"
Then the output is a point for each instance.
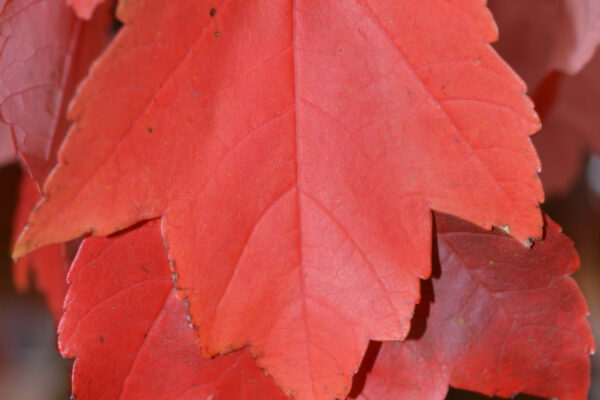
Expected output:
(150, 130)
(213, 12)
(101, 339)
(216, 33)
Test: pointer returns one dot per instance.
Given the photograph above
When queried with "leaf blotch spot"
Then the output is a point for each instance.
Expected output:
(150, 131)
(213, 12)
(101, 339)
(216, 33)
(460, 320)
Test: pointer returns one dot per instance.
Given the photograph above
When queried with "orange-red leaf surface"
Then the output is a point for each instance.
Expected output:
(45, 51)
(498, 319)
(46, 266)
(130, 334)
(294, 150)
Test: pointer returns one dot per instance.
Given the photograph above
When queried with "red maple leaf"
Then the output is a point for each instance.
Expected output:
(294, 151)
(121, 315)
(45, 52)
(496, 318)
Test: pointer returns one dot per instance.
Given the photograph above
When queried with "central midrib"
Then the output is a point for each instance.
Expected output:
(299, 199)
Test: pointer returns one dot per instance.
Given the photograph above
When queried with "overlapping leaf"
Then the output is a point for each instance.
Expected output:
(7, 153)
(121, 315)
(46, 266)
(294, 151)
(84, 8)
(497, 318)
(571, 127)
(45, 52)
(568, 29)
